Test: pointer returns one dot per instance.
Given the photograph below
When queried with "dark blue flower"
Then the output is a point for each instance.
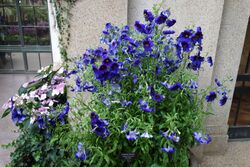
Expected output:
(17, 115)
(68, 74)
(64, 113)
(81, 153)
(148, 15)
(148, 44)
(168, 149)
(137, 62)
(178, 51)
(88, 87)
(166, 32)
(223, 100)
(170, 23)
(202, 138)
(145, 107)
(155, 96)
(174, 87)
(210, 61)
(217, 82)
(193, 84)
(163, 17)
(196, 62)
(197, 36)
(184, 40)
(99, 126)
(140, 27)
(41, 122)
(132, 135)
(107, 61)
(212, 95)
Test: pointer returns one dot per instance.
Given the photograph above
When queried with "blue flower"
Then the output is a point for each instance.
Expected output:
(174, 87)
(223, 100)
(17, 115)
(184, 40)
(81, 153)
(132, 135)
(210, 61)
(41, 123)
(156, 97)
(140, 27)
(197, 36)
(168, 149)
(124, 127)
(217, 82)
(166, 32)
(212, 95)
(171, 136)
(88, 87)
(146, 135)
(125, 103)
(99, 126)
(163, 17)
(135, 79)
(145, 107)
(193, 84)
(148, 44)
(196, 62)
(107, 61)
(170, 23)
(64, 113)
(148, 15)
(202, 138)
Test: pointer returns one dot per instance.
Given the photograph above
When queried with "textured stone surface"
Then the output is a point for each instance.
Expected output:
(9, 83)
(88, 20)
(237, 155)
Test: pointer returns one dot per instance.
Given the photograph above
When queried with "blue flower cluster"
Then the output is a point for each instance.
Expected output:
(99, 126)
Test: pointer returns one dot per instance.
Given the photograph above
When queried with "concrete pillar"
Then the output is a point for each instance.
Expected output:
(88, 20)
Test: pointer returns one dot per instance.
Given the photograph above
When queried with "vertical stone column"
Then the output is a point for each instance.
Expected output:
(88, 20)
(230, 46)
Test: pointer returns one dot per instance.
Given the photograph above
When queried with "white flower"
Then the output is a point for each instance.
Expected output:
(33, 94)
(60, 71)
(25, 84)
(32, 120)
(51, 103)
(146, 135)
(44, 87)
(25, 96)
(43, 96)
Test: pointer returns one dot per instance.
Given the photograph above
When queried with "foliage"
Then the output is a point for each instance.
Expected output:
(144, 95)
(39, 110)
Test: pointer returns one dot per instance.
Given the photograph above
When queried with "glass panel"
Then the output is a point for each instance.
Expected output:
(9, 16)
(18, 61)
(27, 15)
(5, 60)
(33, 61)
(46, 59)
(34, 2)
(9, 1)
(41, 14)
(29, 35)
(43, 35)
(9, 36)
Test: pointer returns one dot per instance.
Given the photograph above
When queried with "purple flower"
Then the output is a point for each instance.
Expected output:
(210, 61)
(217, 82)
(202, 138)
(168, 149)
(170, 23)
(166, 32)
(132, 135)
(148, 15)
(99, 126)
(81, 153)
(212, 95)
(223, 100)
(145, 107)
(148, 44)
(17, 115)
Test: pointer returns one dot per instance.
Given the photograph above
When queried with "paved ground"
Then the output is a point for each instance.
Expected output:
(9, 83)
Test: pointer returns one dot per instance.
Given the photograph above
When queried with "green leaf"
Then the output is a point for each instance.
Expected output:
(22, 90)
(5, 113)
